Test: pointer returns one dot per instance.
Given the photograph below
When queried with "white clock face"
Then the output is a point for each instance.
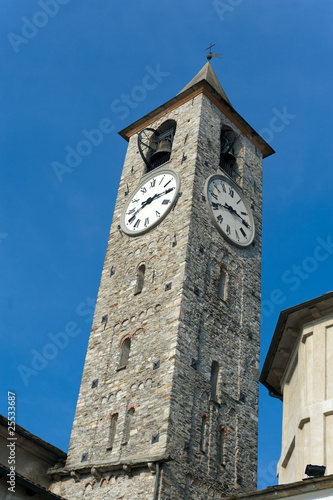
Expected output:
(151, 201)
(229, 210)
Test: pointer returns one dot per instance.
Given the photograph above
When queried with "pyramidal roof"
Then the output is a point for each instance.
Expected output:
(207, 73)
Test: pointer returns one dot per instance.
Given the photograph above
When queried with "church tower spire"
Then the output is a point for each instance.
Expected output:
(207, 74)
(169, 395)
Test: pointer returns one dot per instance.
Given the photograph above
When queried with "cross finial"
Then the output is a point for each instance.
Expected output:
(212, 54)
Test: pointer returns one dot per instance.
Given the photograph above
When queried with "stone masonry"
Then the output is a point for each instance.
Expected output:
(152, 429)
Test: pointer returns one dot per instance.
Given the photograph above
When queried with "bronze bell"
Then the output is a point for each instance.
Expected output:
(163, 149)
(228, 157)
(227, 151)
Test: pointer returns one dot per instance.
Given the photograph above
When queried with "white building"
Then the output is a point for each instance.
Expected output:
(299, 370)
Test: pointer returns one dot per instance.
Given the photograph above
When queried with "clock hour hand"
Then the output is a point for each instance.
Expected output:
(228, 207)
(233, 211)
(147, 202)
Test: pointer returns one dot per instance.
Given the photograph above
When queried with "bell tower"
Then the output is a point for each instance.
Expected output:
(169, 395)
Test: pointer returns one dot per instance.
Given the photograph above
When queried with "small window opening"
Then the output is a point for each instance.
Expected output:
(204, 433)
(140, 277)
(223, 286)
(125, 352)
(113, 429)
(214, 375)
(128, 425)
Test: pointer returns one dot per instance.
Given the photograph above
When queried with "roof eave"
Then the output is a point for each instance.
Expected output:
(201, 87)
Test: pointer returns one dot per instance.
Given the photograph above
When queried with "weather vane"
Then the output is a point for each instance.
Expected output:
(212, 54)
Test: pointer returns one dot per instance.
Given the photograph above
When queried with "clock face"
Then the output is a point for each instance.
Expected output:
(151, 201)
(229, 210)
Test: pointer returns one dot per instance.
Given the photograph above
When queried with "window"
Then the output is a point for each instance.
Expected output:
(214, 375)
(223, 285)
(204, 432)
(125, 351)
(128, 425)
(113, 429)
(221, 444)
(140, 277)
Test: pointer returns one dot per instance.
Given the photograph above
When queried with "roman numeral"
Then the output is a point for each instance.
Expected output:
(165, 202)
(161, 180)
(228, 229)
(167, 183)
(231, 192)
(157, 213)
(243, 232)
(238, 201)
(223, 187)
(143, 190)
(237, 235)
(152, 183)
(215, 206)
(135, 201)
(216, 187)
(136, 225)
(131, 211)
(219, 219)
(213, 195)
(146, 221)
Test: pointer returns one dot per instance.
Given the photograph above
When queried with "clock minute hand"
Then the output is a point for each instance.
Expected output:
(152, 198)
(164, 192)
(157, 195)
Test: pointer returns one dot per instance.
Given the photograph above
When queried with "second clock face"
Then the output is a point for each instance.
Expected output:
(151, 201)
(229, 210)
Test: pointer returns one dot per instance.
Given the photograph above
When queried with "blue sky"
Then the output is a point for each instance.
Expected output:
(62, 77)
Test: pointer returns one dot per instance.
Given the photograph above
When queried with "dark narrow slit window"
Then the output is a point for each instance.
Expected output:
(223, 285)
(128, 425)
(113, 430)
(140, 277)
(214, 375)
(204, 431)
(125, 352)
(221, 444)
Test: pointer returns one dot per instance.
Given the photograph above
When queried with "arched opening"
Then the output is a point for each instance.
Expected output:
(140, 277)
(214, 375)
(125, 352)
